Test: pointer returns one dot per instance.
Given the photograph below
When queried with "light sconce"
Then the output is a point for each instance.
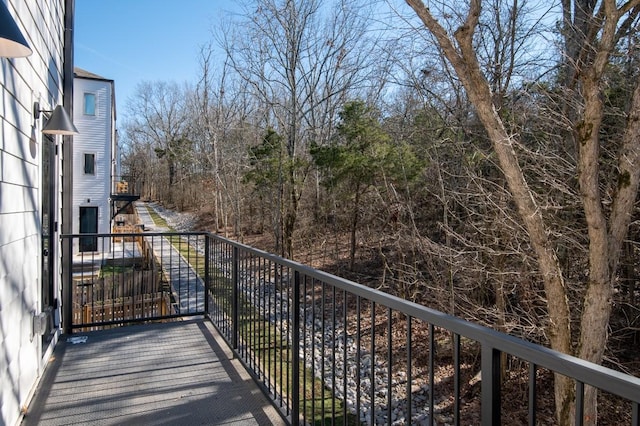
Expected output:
(12, 42)
(58, 122)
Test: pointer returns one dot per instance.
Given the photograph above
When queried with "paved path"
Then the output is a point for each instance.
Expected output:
(146, 219)
(187, 286)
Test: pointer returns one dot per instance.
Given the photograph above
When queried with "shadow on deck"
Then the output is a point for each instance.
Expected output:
(160, 374)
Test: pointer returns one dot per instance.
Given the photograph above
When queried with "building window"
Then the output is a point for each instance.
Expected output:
(89, 104)
(89, 164)
(88, 225)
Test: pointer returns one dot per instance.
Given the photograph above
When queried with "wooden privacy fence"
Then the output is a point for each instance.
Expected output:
(124, 233)
(123, 296)
(118, 285)
(124, 309)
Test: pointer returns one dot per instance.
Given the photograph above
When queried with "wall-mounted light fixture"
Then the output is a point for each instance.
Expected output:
(12, 42)
(58, 122)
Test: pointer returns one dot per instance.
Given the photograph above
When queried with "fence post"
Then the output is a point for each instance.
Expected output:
(295, 355)
(490, 376)
(207, 283)
(67, 289)
(234, 303)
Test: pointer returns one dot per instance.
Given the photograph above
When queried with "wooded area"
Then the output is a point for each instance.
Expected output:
(481, 158)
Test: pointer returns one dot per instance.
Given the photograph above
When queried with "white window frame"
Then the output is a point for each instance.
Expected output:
(85, 104)
(84, 164)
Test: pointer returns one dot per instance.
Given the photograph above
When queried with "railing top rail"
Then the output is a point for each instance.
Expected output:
(134, 234)
(604, 378)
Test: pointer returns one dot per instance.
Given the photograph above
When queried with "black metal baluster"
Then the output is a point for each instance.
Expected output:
(207, 272)
(270, 331)
(389, 363)
(249, 309)
(322, 349)
(280, 348)
(304, 352)
(533, 394)
(490, 400)
(106, 258)
(409, 372)
(579, 403)
(345, 305)
(456, 379)
(313, 349)
(432, 350)
(372, 373)
(333, 355)
(295, 353)
(234, 298)
(288, 342)
(262, 304)
(358, 352)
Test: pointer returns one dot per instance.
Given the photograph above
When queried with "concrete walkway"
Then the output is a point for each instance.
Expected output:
(178, 373)
(146, 219)
(187, 286)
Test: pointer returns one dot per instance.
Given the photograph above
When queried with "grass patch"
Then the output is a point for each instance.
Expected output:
(195, 259)
(273, 355)
(158, 220)
(110, 270)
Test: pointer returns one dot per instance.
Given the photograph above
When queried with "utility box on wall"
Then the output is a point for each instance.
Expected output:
(40, 323)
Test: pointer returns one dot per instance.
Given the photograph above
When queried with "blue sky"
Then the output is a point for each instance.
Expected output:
(130, 41)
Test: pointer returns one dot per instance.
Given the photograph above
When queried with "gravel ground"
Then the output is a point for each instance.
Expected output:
(180, 221)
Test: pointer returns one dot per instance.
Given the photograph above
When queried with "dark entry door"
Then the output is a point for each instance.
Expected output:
(48, 234)
(88, 225)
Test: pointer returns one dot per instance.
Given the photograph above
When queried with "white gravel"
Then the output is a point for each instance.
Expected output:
(180, 221)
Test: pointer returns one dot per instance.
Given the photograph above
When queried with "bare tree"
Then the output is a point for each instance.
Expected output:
(160, 118)
(140, 163)
(300, 59)
(210, 124)
(455, 34)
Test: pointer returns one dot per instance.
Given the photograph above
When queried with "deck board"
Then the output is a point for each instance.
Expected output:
(177, 373)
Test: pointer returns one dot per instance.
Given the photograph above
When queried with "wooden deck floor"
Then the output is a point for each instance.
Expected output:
(178, 373)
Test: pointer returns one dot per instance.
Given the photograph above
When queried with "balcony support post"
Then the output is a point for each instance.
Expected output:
(490, 385)
(234, 307)
(295, 352)
(207, 272)
(67, 288)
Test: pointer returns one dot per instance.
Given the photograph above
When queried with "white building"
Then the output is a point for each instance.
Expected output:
(94, 157)
(34, 192)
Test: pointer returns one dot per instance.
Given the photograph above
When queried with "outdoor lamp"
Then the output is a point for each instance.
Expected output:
(58, 123)
(12, 42)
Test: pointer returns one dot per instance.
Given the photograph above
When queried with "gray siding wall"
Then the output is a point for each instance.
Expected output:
(95, 138)
(24, 81)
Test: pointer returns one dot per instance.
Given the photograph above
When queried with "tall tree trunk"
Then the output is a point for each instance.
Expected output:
(290, 219)
(605, 237)
(354, 227)
(467, 69)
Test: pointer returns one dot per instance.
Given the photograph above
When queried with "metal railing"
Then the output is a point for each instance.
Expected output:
(328, 350)
(133, 277)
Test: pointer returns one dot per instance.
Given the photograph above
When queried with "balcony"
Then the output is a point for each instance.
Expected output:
(178, 373)
(122, 200)
(324, 349)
